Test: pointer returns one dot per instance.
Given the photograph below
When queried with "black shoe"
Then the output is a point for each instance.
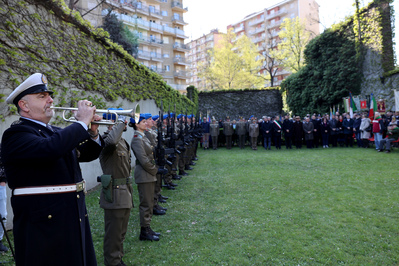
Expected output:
(163, 197)
(380, 150)
(161, 200)
(158, 211)
(145, 234)
(188, 168)
(183, 173)
(3, 248)
(154, 233)
(169, 186)
(176, 177)
(192, 163)
(195, 158)
(158, 207)
(387, 151)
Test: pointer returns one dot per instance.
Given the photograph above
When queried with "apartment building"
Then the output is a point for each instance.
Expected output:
(198, 54)
(263, 27)
(159, 25)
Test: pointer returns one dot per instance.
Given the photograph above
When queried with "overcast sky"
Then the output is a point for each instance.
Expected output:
(205, 15)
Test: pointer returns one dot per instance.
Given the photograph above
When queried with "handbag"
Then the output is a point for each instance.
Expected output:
(369, 128)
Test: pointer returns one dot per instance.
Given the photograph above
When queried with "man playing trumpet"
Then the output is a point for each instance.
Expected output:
(51, 225)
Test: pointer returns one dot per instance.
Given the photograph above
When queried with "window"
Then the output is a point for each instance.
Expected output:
(165, 1)
(166, 55)
(152, 9)
(167, 67)
(165, 39)
(164, 13)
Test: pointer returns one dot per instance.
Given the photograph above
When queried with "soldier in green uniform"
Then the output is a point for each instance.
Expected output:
(228, 132)
(145, 177)
(115, 160)
(241, 131)
(214, 131)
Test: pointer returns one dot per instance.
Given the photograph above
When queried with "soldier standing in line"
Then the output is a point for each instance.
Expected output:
(228, 132)
(145, 176)
(214, 131)
(254, 133)
(115, 160)
(241, 131)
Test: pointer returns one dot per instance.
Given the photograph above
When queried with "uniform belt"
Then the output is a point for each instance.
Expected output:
(81, 186)
(121, 181)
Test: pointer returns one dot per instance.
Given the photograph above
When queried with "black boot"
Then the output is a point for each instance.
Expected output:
(161, 200)
(157, 211)
(192, 163)
(169, 186)
(182, 173)
(154, 233)
(176, 177)
(187, 167)
(146, 234)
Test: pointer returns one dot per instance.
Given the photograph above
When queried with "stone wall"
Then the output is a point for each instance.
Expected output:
(241, 103)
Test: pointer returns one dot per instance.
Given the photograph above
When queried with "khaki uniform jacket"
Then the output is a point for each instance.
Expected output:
(146, 169)
(228, 128)
(241, 128)
(115, 160)
(254, 130)
(214, 129)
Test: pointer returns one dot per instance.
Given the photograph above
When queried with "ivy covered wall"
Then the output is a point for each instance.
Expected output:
(78, 60)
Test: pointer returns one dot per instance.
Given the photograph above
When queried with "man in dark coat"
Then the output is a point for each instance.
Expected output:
(308, 132)
(277, 129)
(287, 129)
(347, 125)
(266, 129)
(41, 162)
(298, 132)
(334, 130)
(356, 129)
(316, 131)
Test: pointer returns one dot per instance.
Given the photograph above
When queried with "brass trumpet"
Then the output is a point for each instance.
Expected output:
(135, 113)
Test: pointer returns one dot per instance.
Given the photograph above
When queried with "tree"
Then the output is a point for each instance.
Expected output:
(331, 72)
(233, 64)
(120, 33)
(294, 39)
(270, 62)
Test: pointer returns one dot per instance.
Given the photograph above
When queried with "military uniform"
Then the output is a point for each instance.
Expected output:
(144, 176)
(254, 133)
(241, 131)
(115, 160)
(214, 131)
(228, 132)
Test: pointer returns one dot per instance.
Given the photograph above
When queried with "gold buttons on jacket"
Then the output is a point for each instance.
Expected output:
(78, 196)
(80, 220)
(49, 216)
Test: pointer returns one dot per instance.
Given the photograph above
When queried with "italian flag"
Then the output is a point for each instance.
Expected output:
(373, 106)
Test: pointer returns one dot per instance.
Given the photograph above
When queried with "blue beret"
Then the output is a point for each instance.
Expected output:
(132, 120)
(110, 116)
(155, 117)
(251, 116)
(179, 116)
(147, 115)
(165, 116)
(189, 116)
(172, 115)
(142, 117)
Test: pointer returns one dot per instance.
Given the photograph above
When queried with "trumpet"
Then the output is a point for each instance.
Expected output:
(135, 113)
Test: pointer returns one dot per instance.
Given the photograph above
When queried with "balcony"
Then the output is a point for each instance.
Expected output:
(274, 34)
(144, 55)
(180, 47)
(257, 21)
(151, 41)
(275, 24)
(156, 13)
(156, 57)
(238, 29)
(275, 14)
(156, 27)
(177, 6)
(178, 87)
(181, 74)
(179, 21)
(181, 61)
(259, 29)
(157, 70)
(139, 8)
(257, 39)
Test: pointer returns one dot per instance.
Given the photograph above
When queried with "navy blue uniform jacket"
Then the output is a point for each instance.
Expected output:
(49, 229)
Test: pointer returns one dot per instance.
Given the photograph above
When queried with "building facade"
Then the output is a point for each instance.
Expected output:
(198, 56)
(159, 25)
(264, 26)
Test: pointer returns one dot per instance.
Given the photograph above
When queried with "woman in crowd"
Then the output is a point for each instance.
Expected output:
(377, 130)
(325, 131)
(144, 176)
(365, 131)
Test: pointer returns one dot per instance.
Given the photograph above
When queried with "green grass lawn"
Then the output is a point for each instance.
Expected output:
(293, 207)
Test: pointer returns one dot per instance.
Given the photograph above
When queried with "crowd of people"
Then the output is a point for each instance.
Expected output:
(40, 162)
(312, 130)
